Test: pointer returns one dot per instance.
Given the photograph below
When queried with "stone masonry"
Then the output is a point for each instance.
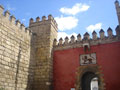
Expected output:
(14, 53)
(44, 33)
(26, 58)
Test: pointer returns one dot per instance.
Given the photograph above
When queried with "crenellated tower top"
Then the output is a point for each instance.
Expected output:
(45, 20)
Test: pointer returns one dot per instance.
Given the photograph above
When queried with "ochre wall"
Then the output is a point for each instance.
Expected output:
(67, 61)
(44, 33)
(14, 53)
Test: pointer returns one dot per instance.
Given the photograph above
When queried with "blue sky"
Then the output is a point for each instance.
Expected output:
(72, 16)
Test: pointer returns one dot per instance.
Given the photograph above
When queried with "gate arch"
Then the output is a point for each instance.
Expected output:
(85, 74)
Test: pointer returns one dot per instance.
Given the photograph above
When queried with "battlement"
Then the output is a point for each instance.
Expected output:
(95, 40)
(7, 19)
(15, 44)
(117, 10)
(117, 3)
(45, 20)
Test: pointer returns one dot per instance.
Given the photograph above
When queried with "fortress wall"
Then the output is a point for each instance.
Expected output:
(44, 32)
(67, 60)
(14, 52)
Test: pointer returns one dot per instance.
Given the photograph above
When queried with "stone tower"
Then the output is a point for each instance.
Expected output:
(44, 32)
(117, 10)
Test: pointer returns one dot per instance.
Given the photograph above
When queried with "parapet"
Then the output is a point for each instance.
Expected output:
(11, 20)
(45, 20)
(95, 40)
(1, 9)
(117, 3)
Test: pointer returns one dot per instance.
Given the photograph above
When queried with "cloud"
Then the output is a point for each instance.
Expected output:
(91, 28)
(63, 35)
(23, 20)
(66, 23)
(10, 8)
(78, 7)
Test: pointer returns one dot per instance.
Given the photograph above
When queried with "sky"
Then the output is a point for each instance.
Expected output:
(73, 16)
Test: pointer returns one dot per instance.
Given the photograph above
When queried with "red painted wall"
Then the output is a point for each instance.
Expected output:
(67, 61)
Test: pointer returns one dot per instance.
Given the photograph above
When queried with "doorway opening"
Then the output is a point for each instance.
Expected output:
(89, 81)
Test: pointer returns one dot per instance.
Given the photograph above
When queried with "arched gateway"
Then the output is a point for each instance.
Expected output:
(89, 77)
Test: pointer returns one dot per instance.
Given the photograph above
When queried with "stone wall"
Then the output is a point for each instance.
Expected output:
(14, 53)
(44, 32)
